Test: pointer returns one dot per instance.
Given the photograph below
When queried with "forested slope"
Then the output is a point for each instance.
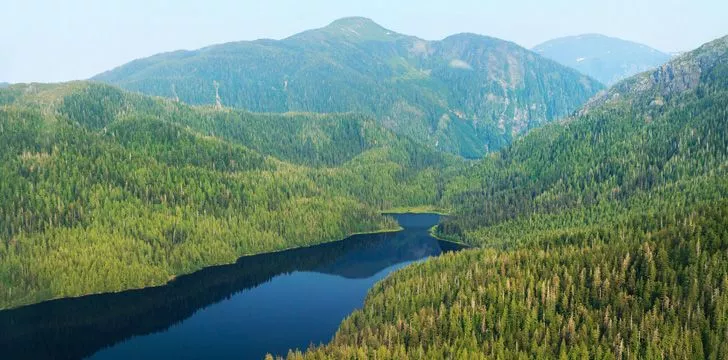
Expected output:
(104, 190)
(653, 141)
(604, 237)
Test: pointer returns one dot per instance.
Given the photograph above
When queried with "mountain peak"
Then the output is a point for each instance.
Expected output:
(358, 21)
(587, 36)
(353, 28)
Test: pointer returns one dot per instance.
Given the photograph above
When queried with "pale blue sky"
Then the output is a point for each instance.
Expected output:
(56, 40)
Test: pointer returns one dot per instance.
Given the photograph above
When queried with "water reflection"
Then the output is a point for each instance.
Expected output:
(262, 303)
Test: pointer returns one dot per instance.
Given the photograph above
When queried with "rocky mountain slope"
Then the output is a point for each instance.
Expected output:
(685, 72)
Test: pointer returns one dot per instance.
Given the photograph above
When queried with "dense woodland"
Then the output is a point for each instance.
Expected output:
(603, 237)
(104, 190)
(621, 293)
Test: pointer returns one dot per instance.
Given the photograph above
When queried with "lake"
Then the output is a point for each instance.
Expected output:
(261, 304)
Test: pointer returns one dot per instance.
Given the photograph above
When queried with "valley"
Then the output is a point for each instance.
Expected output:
(495, 203)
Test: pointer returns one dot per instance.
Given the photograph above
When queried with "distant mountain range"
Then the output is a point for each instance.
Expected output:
(604, 58)
(4, 85)
(466, 94)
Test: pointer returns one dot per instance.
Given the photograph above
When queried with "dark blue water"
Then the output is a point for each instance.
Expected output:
(262, 304)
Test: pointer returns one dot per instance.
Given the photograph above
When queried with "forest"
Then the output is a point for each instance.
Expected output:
(603, 235)
(104, 190)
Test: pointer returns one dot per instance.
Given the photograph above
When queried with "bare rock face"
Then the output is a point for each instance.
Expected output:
(675, 79)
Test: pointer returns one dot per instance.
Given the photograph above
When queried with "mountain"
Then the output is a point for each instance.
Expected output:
(466, 94)
(600, 236)
(105, 190)
(4, 85)
(606, 59)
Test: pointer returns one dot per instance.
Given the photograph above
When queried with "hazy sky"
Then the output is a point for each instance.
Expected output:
(56, 40)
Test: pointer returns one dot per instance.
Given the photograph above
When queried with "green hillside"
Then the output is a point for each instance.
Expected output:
(604, 236)
(467, 94)
(103, 190)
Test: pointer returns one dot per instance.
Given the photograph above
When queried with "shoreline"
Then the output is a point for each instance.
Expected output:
(431, 231)
(426, 209)
(372, 232)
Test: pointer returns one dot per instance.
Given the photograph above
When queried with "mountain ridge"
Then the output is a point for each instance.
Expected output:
(412, 86)
(352, 28)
